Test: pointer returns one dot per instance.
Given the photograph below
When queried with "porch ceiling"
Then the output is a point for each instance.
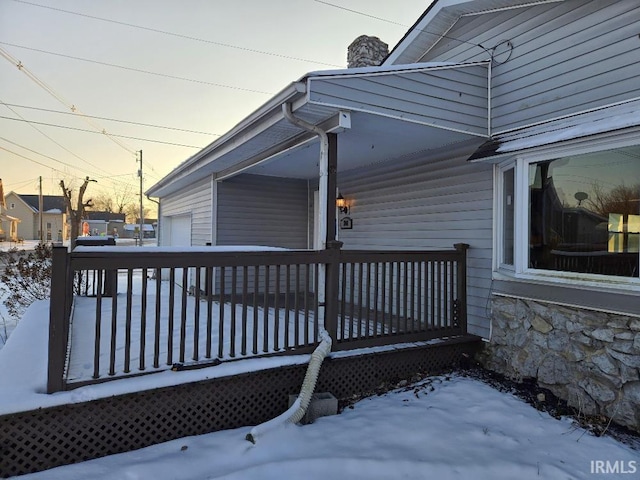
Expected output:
(381, 113)
(370, 140)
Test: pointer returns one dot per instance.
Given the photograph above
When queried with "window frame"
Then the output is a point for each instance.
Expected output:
(521, 162)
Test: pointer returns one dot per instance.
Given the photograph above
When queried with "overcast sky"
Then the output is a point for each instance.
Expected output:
(238, 54)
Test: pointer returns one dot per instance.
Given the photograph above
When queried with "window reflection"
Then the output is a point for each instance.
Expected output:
(584, 213)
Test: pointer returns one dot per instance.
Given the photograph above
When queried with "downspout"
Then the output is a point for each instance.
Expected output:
(323, 167)
(295, 413)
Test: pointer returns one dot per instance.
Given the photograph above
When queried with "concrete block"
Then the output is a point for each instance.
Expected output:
(322, 404)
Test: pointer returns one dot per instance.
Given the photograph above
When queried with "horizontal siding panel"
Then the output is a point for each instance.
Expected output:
(195, 201)
(568, 57)
(259, 210)
(453, 98)
(426, 204)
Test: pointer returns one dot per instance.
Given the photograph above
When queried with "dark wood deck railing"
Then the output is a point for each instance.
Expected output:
(117, 312)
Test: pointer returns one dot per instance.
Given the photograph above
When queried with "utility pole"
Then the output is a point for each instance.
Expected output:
(141, 233)
(40, 207)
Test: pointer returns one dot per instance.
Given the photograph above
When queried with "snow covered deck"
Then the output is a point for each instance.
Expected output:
(136, 311)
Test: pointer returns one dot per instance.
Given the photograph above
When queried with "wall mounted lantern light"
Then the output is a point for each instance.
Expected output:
(342, 204)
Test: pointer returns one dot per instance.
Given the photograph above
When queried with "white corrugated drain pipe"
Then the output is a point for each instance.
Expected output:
(295, 413)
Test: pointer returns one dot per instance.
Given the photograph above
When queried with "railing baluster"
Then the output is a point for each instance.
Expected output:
(232, 331)
(245, 287)
(343, 301)
(143, 321)
(127, 327)
(391, 286)
(376, 331)
(317, 319)
(412, 301)
(399, 297)
(183, 315)
(306, 303)
(196, 317)
(432, 288)
(114, 330)
(383, 292)
(156, 345)
(256, 285)
(405, 295)
(209, 293)
(352, 298)
(439, 291)
(445, 294)
(276, 311)
(265, 316)
(367, 307)
(171, 307)
(221, 316)
(297, 307)
(98, 327)
(360, 302)
(287, 307)
(420, 297)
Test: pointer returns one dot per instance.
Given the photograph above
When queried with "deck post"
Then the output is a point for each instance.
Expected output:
(59, 311)
(462, 285)
(332, 289)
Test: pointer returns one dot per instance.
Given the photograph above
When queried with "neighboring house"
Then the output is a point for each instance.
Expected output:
(107, 223)
(510, 125)
(131, 230)
(26, 208)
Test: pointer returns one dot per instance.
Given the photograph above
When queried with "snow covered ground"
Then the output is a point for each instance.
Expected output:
(443, 428)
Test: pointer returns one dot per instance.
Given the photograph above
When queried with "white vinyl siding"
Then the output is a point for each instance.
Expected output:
(427, 204)
(195, 201)
(260, 210)
(567, 57)
(449, 97)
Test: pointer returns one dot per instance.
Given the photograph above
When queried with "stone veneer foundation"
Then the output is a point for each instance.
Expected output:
(590, 359)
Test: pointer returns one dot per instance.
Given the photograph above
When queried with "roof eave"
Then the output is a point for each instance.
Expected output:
(289, 93)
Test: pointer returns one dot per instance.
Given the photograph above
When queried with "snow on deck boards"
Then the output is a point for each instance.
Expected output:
(143, 335)
(149, 337)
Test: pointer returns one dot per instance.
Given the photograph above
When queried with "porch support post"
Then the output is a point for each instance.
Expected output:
(462, 285)
(59, 312)
(332, 183)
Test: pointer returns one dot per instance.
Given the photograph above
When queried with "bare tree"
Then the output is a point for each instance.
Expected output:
(76, 215)
(621, 199)
(116, 202)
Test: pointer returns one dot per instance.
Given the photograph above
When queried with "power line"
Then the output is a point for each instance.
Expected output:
(110, 177)
(111, 119)
(179, 35)
(47, 136)
(139, 70)
(357, 12)
(99, 133)
(58, 97)
(38, 153)
(31, 159)
(360, 13)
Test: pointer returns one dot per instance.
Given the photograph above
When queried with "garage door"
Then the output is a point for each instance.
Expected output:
(180, 232)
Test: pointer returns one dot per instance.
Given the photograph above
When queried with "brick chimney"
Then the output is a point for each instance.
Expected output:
(366, 51)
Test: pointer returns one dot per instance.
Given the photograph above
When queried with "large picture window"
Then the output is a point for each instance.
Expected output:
(582, 214)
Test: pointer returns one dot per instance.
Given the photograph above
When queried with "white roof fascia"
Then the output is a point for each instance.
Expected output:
(336, 124)
(417, 29)
(221, 145)
(449, 11)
